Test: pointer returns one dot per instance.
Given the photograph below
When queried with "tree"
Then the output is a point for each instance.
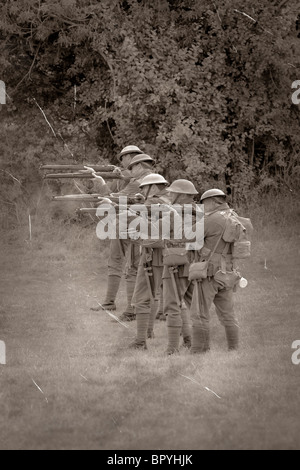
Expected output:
(205, 86)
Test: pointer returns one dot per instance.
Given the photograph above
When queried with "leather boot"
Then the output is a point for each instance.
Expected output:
(113, 286)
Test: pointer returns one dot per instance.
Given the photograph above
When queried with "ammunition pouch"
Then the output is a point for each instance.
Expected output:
(198, 271)
(175, 256)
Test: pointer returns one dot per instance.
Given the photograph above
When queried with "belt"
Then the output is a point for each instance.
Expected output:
(174, 244)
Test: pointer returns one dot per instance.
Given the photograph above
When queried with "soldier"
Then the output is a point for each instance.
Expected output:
(175, 277)
(150, 271)
(122, 250)
(125, 158)
(218, 283)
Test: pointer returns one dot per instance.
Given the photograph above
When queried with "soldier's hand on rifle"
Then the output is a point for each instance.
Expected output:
(135, 236)
(140, 198)
(105, 200)
(118, 171)
(88, 169)
(99, 179)
(94, 174)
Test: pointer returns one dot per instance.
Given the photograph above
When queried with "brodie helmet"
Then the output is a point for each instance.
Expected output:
(129, 149)
(183, 187)
(140, 159)
(212, 193)
(153, 179)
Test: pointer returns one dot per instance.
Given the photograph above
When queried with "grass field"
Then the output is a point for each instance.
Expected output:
(71, 383)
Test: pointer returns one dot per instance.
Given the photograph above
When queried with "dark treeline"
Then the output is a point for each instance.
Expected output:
(203, 86)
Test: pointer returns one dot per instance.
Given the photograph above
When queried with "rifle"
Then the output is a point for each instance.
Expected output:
(78, 198)
(101, 168)
(93, 210)
(97, 198)
(113, 200)
(107, 176)
(88, 210)
(118, 207)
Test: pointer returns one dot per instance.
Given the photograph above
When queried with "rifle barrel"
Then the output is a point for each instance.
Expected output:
(94, 209)
(98, 198)
(107, 176)
(101, 168)
(78, 198)
(88, 210)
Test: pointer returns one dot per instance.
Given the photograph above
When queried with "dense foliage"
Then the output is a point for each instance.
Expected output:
(204, 86)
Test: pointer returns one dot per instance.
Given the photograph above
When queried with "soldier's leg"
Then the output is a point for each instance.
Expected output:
(173, 313)
(188, 298)
(160, 305)
(157, 276)
(115, 270)
(152, 318)
(186, 327)
(130, 286)
(141, 301)
(133, 259)
(203, 296)
(185, 316)
(225, 310)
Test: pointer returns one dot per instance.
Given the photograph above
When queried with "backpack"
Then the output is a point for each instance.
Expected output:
(238, 233)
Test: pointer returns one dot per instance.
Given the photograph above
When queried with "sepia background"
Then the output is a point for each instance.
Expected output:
(210, 90)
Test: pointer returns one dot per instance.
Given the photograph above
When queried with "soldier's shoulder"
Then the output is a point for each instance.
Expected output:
(216, 218)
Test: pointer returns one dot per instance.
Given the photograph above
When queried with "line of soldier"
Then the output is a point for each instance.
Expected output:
(159, 272)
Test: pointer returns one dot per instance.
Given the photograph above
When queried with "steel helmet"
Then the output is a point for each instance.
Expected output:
(212, 193)
(140, 159)
(129, 149)
(153, 179)
(183, 187)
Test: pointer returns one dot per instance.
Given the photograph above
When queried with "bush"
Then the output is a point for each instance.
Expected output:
(203, 87)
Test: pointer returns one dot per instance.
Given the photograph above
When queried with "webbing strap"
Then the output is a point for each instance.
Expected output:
(217, 244)
(223, 258)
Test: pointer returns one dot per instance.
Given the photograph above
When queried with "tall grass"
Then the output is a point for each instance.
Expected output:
(102, 395)
(273, 215)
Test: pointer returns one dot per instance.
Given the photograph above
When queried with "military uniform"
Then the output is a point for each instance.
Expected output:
(124, 255)
(143, 299)
(175, 279)
(208, 291)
